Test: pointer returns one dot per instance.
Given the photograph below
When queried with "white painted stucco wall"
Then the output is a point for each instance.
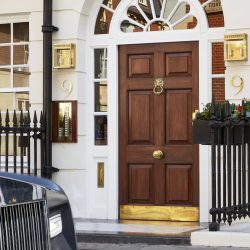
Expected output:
(77, 161)
(237, 20)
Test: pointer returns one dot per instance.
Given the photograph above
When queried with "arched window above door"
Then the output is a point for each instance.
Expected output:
(158, 15)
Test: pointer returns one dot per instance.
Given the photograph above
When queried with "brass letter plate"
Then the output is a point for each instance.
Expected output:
(100, 175)
(63, 56)
(235, 47)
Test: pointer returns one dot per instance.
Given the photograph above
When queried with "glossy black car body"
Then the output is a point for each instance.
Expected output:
(29, 207)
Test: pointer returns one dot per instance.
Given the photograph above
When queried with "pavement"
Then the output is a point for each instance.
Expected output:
(145, 235)
(103, 246)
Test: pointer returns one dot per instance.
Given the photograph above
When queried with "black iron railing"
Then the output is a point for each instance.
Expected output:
(230, 164)
(22, 143)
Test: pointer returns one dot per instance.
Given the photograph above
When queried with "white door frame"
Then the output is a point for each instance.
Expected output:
(109, 154)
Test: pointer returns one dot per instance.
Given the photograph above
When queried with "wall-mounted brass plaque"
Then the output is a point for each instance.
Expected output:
(63, 56)
(64, 121)
(100, 175)
(235, 47)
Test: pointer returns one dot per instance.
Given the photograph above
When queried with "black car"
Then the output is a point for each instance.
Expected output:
(35, 214)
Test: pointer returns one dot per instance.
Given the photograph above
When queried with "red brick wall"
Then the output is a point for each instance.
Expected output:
(218, 67)
(218, 89)
(218, 64)
(215, 20)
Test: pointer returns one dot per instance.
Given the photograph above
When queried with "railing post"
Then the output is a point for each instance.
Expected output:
(15, 129)
(7, 130)
(244, 187)
(229, 135)
(214, 225)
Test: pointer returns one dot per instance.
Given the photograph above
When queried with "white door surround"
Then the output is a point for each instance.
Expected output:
(104, 203)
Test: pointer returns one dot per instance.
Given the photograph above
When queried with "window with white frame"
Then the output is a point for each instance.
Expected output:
(14, 68)
(100, 93)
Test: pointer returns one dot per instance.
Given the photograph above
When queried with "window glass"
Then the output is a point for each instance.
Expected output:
(21, 32)
(5, 55)
(5, 78)
(22, 101)
(103, 21)
(5, 33)
(14, 72)
(112, 4)
(188, 23)
(101, 104)
(21, 54)
(158, 15)
(100, 63)
(6, 101)
(21, 77)
(101, 130)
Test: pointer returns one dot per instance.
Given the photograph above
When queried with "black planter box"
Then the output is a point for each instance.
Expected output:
(202, 133)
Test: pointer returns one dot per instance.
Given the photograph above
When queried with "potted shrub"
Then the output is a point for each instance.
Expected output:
(202, 122)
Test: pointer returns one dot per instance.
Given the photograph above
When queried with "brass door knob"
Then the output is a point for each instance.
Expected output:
(158, 154)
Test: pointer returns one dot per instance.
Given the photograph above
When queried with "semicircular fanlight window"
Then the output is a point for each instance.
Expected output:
(158, 15)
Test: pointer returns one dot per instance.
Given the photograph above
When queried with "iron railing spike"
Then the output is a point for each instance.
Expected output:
(21, 118)
(14, 119)
(35, 119)
(7, 118)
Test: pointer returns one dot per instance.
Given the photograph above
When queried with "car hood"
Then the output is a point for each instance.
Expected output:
(15, 188)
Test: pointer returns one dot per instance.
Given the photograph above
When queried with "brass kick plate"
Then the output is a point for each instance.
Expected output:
(160, 213)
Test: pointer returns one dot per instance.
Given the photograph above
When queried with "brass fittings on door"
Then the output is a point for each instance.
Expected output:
(158, 154)
(158, 86)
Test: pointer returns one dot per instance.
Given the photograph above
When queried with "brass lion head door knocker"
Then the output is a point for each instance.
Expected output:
(158, 86)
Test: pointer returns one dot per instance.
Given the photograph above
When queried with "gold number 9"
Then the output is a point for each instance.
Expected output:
(66, 85)
(237, 82)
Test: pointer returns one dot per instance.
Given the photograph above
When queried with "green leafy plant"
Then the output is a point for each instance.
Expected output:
(220, 110)
(205, 114)
(247, 105)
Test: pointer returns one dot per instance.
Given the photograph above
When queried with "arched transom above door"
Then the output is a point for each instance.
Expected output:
(158, 15)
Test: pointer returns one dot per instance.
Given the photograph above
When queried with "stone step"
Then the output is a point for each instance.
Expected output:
(94, 237)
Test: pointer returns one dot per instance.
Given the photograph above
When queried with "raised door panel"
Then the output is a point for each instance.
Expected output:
(141, 117)
(140, 66)
(178, 184)
(140, 183)
(178, 115)
(178, 64)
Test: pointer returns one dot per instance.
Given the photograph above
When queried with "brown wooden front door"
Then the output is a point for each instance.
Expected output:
(167, 188)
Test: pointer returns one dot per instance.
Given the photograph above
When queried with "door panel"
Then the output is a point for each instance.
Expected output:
(149, 122)
(141, 65)
(178, 114)
(178, 64)
(179, 184)
(141, 183)
(141, 117)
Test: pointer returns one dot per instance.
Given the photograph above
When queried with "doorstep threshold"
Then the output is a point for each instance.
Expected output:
(148, 232)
